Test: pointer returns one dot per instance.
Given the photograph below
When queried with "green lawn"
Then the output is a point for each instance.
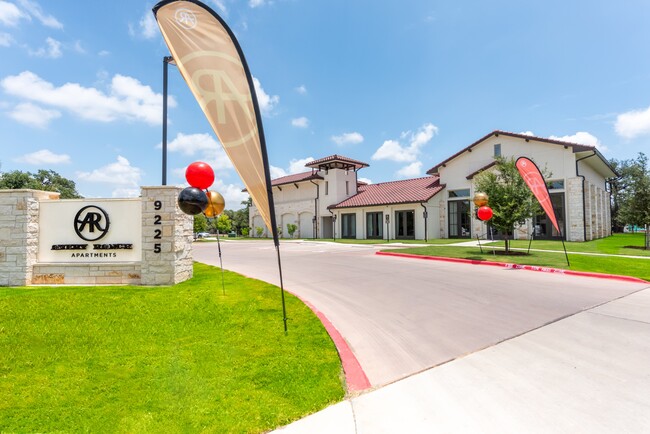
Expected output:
(161, 359)
(599, 264)
(618, 244)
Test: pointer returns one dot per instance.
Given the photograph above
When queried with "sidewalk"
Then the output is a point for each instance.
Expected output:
(584, 373)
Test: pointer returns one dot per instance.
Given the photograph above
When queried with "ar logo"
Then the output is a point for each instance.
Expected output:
(185, 18)
(91, 223)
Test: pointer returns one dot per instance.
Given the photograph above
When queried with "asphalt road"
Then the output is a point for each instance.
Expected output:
(402, 316)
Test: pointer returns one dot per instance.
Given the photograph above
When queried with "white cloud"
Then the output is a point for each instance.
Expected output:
(232, 194)
(527, 133)
(301, 122)
(209, 150)
(266, 102)
(120, 173)
(366, 180)
(302, 89)
(33, 115)
(633, 124)
(295, 166)
(128, 99)
(35, 10)
(298, 166)
(52, 51)
(393, 150)
(411, 171)
(44, 157)
(582, 138)
(256, 3)
(6, 40)
(348, 139)
(277, 172)
(221, 6)
(126, 192)
(79, 48)
(10, 15)
(148, 26)
(104, 53)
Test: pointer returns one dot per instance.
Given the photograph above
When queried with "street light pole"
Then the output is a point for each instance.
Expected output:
(166, 61)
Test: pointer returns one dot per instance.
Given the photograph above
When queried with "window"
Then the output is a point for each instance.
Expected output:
(348, 225)
(405, 225)
(327, 188)
(374, 227)
(557, 184)
(459, 219)
(497, 150)
(347, 188)
(459, 193)
(543, 228)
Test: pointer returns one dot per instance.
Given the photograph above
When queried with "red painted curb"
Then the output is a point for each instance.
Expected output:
(517, 267)
(355, 377)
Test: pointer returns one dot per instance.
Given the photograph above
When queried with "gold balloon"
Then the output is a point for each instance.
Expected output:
(480, 199)
(216, 204)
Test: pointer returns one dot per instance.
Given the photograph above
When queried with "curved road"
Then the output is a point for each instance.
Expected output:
(401, 316)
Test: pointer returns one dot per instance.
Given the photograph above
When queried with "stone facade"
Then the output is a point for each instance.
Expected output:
(166, 245)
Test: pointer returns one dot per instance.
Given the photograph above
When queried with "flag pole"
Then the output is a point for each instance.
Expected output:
(223, 285)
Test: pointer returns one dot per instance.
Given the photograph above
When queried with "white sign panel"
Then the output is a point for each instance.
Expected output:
(82, 231)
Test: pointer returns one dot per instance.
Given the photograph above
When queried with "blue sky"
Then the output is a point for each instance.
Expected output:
(399, 85)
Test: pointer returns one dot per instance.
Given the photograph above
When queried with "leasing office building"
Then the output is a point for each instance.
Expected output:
(328, 201)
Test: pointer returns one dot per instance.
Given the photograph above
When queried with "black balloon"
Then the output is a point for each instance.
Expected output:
(192, 201)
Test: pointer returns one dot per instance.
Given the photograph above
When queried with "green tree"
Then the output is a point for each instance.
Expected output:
(619, 189)
(47, 180)
(511, 200)
(223, 224)
(200, 223)
(635, 199)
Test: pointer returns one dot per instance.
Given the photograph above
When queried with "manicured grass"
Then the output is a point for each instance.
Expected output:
(597, 264)
(161, 359)
(617, 244)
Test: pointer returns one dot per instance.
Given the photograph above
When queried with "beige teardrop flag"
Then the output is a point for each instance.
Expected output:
(213, 66)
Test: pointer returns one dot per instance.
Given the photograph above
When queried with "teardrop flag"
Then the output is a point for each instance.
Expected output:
(533, 178)
(212, 63)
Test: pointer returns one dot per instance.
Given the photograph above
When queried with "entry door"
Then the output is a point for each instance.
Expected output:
(405, 225)
(374, 225)
(459, 219)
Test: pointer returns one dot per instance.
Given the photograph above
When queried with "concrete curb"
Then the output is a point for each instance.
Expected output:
(517, 267)
(355, 377)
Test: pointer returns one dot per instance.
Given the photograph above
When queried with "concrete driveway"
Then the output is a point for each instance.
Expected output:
(402, 316)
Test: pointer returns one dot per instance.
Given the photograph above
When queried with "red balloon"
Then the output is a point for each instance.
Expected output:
(199, 175)
(484, 213)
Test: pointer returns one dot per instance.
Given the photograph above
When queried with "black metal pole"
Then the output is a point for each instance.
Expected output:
(166, 61)
(223, 285)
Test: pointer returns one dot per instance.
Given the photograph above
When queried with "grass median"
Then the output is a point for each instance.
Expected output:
(161, 359)
(623, 245)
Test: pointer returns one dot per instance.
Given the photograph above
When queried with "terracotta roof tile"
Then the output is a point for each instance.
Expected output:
(395, 192)
(338, 158)
(296, 177)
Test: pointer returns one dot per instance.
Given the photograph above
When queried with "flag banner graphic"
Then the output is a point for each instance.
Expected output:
(535, 181)
(212, 63)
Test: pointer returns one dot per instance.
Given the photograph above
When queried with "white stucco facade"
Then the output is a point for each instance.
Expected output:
(322, 202)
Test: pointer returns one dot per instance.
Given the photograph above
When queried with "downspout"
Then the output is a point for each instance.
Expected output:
(316, 208)
(584, 201)
(426, 216)
(333, 225)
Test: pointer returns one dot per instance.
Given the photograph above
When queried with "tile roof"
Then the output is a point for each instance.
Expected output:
(394, 192)
(336, 158)
(296, 177)
(576, 147)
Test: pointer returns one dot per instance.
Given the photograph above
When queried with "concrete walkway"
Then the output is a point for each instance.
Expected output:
(587, 373)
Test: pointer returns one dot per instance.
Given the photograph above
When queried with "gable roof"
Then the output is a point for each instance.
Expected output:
(336, 162)
(576, 147)
(393, 193)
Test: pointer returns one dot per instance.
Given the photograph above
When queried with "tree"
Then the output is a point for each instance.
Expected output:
(47, 180)
(635, 199)
(511, 200)
(618, 187)
(200, 223)
(223, 224)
